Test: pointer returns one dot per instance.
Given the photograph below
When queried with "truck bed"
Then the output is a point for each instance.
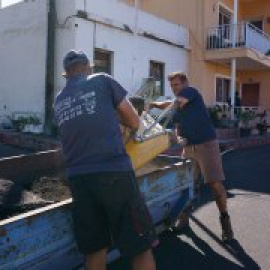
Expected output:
(43, 238)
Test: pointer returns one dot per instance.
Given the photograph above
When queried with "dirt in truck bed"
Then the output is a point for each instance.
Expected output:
(51, 189)
(15, 199)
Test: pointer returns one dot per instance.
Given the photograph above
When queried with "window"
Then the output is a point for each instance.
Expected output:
(103, 61)
(225, 16)
(225, 20)
(223, 90)
(157, 73)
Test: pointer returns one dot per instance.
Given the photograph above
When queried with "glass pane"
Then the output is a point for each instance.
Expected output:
(103, 61)
(224, 16)
(157, 73)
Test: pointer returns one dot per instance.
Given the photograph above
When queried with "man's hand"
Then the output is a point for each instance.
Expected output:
(128, 115)
(159, 105)
(175, 139)
(181, 102)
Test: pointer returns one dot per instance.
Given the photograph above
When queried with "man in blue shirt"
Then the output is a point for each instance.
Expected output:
(193, 123)
(108, 209)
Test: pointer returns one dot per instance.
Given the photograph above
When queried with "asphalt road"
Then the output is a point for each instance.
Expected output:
(199, 247)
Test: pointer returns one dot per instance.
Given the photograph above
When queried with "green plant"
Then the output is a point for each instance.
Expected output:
(34, 120)
(245, 117)
(22, 121)
(214, 113)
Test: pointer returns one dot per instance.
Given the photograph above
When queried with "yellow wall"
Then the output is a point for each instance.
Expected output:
(198, 16)
(257, 10)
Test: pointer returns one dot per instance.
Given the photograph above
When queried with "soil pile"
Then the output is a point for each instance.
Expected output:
(14, 199)
(51, 189)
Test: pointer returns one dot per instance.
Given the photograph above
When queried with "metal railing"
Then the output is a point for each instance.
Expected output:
(242, 35)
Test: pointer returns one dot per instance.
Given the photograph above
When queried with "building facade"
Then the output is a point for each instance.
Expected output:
(122, 40)
(230, 44)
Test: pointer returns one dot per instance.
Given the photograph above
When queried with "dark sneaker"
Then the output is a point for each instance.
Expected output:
(227, 231)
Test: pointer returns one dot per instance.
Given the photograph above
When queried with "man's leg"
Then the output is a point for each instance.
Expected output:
(210, 162)
(130, 223)
(220, 196)
(96, 261)
(90, 222)
(144, 261)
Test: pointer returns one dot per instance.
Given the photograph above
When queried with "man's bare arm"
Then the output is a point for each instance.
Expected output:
(128, 115)
(160, 105)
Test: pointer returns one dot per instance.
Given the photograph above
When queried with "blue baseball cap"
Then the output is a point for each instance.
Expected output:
(74, 57)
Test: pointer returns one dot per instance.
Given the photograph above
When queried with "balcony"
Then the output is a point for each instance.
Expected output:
(242, 41)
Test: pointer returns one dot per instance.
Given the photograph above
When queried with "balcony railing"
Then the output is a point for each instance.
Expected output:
(243, 35)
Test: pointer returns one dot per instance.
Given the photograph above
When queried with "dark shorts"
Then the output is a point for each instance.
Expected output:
(109, 211)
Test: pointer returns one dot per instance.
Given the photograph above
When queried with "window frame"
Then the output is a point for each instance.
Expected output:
(111, 59)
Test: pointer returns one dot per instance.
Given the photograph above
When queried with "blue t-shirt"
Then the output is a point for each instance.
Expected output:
(85, 111)
(193, 120)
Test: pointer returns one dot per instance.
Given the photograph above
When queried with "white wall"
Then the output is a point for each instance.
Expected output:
(23, 34)
(132, 54)
(65, 37)
(23, 45)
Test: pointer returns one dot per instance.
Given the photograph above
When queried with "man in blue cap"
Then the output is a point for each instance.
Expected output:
(108, 210)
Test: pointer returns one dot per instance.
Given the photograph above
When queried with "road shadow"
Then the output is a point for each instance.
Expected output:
(175, 253)
(233, 247)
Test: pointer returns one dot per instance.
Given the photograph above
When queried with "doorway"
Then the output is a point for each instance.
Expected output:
(251, 95)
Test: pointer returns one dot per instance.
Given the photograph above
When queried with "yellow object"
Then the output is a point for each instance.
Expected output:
(143, 152)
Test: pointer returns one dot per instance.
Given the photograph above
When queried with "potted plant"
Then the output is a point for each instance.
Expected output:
(33, 125)
(215, 114)
(245, 118)
(19, 123)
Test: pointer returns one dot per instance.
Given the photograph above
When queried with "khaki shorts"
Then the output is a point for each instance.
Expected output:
(207, 160)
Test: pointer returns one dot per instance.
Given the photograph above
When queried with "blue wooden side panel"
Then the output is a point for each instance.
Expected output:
(45, 240)
(26, 242)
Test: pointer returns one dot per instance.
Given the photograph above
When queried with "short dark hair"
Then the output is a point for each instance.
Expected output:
(178, 74)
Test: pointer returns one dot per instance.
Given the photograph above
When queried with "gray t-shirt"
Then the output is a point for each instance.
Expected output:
(85, 111)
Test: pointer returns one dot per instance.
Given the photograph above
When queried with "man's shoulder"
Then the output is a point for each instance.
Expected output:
(98, 77)
(191, 89)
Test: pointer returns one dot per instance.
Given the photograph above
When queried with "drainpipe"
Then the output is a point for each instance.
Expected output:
(233, 63)
(135, 35)
(50, 83)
